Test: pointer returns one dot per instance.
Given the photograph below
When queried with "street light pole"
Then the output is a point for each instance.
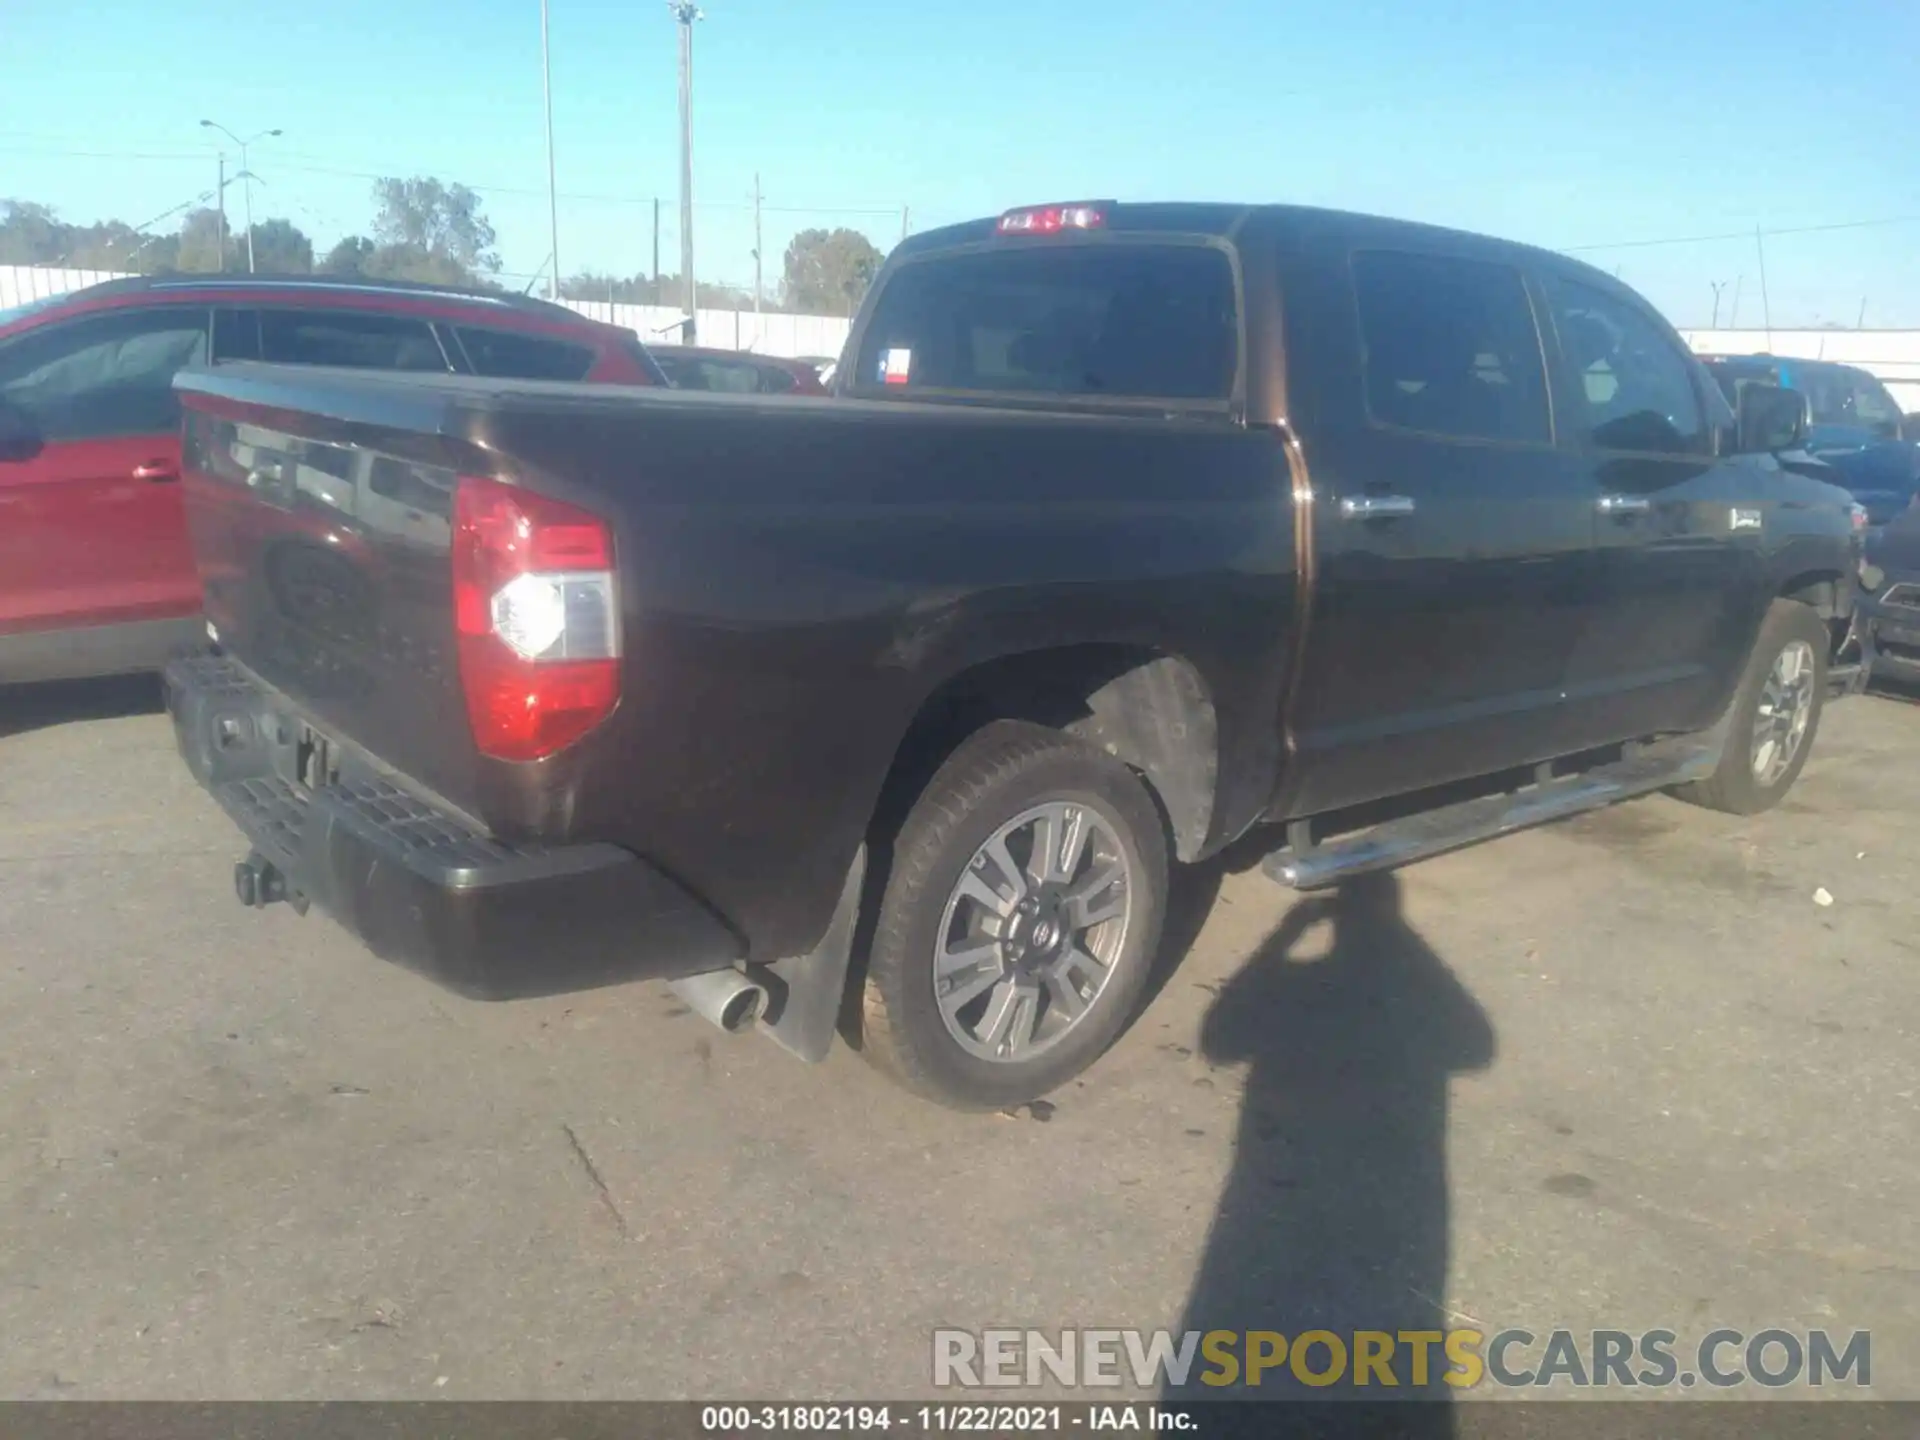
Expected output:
(553, 197)
(686, 12)
(246, 179)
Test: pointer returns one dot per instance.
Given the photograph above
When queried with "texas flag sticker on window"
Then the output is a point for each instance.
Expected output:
(895, 366)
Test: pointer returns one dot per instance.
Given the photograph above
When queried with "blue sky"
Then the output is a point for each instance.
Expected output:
(1560, 124)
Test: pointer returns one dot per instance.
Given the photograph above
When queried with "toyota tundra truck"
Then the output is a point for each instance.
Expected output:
(1128, 531)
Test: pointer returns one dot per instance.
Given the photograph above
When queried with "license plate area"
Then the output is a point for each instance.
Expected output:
(316, 760)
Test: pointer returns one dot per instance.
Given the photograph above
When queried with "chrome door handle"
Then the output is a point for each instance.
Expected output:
(1375, 507)
(1623, 504)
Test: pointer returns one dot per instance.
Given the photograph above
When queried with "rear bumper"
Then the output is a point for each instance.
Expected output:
(419, 883)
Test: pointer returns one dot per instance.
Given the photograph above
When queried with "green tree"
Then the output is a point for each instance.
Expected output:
(349, 256)
(29, 234)
(279, 248)
(426, 225)
(197, 248)
(828, 271)
(636, 290)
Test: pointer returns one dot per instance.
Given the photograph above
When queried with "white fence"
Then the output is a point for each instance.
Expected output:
(20, 284)
(791, 336)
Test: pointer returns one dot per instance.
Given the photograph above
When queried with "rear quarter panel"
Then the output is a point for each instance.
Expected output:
(798, 577)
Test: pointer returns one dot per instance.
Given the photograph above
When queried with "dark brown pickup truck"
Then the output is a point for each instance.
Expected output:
(1130, 529)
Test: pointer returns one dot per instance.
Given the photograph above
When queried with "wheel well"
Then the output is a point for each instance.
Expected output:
(1818, 588)
(1149, 710)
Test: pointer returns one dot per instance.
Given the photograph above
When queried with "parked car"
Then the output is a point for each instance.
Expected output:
(736, 372)
(96, 575)
(1857, 427)
(1142, 527)
(1893, 580)
(823, 366)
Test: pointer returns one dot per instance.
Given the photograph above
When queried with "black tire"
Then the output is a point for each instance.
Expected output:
(1734, 787)
(998, 775)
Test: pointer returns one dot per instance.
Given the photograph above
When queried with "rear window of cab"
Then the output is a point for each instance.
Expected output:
(1106, 321)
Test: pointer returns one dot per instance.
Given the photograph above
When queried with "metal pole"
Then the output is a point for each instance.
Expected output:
(220, 192)
(553, 198)
(1861, 323)
(756, 245)
(1718, 286)
(1766, 306)
(246, 186)
(686, 12)
(906, 222)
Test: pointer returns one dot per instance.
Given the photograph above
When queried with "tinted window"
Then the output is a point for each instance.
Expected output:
(1732, 379)
(1632, 385)
(509, 356)
(732, 377)
(236, 335)
(1873, 404)
(1842, 397)
(1451, 347)
(343, 337)
(1112, 320)
(104, 375)
(683, 372)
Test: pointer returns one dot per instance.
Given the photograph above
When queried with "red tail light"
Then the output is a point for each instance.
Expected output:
(537, 615)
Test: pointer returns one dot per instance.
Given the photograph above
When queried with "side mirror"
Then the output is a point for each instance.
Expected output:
(19, 435)
(1771, 419)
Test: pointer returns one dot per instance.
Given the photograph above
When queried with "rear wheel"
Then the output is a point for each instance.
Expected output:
(1020, 917)
(1774, 716)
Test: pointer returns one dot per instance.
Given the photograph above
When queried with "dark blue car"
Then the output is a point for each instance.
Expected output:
(1855, 425)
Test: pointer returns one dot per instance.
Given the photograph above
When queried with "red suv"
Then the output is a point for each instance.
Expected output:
(96, 575)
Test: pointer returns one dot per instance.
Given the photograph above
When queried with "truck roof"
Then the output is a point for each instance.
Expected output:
(326, 284)
(1212, 218)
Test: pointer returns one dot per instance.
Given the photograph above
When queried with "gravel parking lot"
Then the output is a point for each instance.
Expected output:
(1623, 1073)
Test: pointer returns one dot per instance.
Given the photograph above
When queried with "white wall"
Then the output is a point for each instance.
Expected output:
(786, 335)
(21, 283)
(1893, 356)
(769, 334)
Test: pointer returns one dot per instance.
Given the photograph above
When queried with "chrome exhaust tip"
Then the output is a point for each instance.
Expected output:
(729, 999)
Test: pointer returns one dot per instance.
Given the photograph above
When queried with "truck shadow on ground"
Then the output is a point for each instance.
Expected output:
(36, 707)
(1335, 1216)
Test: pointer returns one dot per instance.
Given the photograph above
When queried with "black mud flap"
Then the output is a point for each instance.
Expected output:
(805, 1008)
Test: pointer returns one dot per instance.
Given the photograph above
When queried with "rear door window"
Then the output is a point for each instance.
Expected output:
(103, 375)
(1451, 347)
(236, 335)
(349, 338)
(1121, 321)
(512, 356)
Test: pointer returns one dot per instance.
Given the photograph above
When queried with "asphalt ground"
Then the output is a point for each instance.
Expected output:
(1624, 1073)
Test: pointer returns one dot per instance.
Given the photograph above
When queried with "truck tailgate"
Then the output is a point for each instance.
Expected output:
(322, 532)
